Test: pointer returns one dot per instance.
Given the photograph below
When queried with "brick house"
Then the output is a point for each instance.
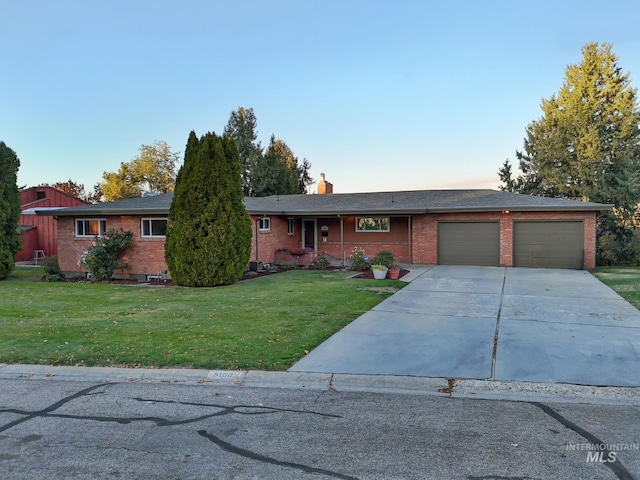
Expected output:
(463, 227)
(39, 233)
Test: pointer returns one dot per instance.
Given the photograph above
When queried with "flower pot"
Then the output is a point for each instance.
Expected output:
(394, 273)
(379, 274)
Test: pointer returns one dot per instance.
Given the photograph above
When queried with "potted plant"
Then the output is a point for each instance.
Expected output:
(394, 271)
(379, 271)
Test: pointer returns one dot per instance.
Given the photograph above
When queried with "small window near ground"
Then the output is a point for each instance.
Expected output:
(90, 227)
(372, 224)
(154, 227)
(265, 224)
(291, 226)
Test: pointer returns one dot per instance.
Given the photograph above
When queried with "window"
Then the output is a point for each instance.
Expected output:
(291, 226)
(372, 224)
(41, 195)
(90, 227)
(265, 224)
(154, 227)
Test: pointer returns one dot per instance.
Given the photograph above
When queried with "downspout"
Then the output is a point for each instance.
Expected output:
(409, 219)
(342, 239)
(257, 236)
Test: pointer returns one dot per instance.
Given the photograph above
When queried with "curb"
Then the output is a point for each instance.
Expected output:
(374, 384)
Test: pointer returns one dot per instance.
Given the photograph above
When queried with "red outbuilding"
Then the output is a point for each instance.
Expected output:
(39, 234)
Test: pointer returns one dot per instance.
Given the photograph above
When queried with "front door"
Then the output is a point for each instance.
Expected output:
(309, 237)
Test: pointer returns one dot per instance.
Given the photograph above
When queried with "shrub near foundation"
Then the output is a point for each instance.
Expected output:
(103, 257)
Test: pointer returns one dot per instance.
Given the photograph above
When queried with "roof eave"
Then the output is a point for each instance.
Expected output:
(105, 211)
(576, 208)
(334, 213)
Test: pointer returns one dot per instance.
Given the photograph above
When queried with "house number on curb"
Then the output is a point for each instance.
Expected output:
(221, 374)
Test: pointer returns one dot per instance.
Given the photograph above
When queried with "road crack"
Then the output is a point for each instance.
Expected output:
(221, 410)
(228, 447)
(616, 467)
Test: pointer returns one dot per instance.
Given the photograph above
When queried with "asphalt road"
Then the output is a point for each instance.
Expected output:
(67, 429)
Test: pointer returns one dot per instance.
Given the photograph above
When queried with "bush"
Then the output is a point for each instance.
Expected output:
(52, 277)
(103, 257)
(384, 257)
(52, 269)
(622, 248)
(323, 261)
(50, 265)
(358, 260)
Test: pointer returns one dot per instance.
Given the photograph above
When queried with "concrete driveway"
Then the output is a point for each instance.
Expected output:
(509, 324)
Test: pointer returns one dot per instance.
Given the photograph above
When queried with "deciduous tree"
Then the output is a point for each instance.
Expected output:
(153, 170)
(77, 190)
(208, 239)
(9, 209)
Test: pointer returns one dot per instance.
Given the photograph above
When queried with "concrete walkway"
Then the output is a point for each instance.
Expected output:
(492, 323)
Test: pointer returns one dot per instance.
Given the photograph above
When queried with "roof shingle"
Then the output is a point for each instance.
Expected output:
(389, 203)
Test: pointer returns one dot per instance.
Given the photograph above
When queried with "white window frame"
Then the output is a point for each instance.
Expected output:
(380, 230)
(291, 226)
(151, 234)
(102, 227)
(264, 224)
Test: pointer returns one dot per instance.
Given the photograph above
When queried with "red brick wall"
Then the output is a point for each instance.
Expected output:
(145, 257)
(425, 232)
(267, 242)
(396, 240)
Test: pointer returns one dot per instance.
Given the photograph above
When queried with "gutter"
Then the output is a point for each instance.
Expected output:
(103, 211)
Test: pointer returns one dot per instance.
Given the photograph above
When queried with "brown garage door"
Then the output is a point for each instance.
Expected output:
(469, 243)
(557, 244)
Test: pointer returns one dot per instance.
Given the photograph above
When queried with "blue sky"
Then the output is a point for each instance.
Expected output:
(378, 95)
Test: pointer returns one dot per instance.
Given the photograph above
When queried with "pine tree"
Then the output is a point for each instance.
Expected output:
(587, 143)
(9, 210)
(279, 173)
(242, 128)
(208, 239)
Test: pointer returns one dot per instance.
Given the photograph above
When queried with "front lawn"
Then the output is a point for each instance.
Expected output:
(266, 323)
(624, 280)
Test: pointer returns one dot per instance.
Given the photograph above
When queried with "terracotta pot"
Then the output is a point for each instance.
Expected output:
(394, 274)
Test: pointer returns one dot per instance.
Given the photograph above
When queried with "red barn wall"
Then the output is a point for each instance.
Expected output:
(46, 233)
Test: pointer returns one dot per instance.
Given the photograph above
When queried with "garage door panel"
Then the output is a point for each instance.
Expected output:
(553, 244)
(469, 243)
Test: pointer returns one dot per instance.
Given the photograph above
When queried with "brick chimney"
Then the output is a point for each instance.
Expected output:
(324, 186)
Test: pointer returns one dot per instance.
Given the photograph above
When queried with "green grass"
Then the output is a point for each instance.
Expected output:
(624, 280)
(266, 323)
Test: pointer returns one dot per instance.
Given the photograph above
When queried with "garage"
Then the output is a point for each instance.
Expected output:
(469, 243)
(548, 244)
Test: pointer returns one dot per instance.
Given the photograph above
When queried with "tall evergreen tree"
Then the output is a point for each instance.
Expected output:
(586, 145)
(208, 239)
(242, 128)
(279, 173)
(9, 210)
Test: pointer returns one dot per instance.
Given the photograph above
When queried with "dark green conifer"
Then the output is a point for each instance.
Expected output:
(9, 210)
(208, 238)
